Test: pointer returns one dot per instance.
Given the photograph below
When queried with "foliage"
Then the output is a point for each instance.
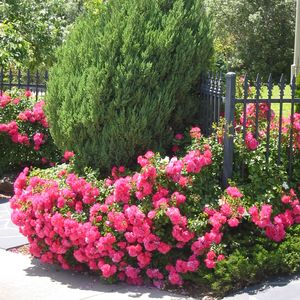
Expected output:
(31, 30)
(254, 262)
(297, 94)
(258, 35)
(170, 220)
(24, 133)
(124, 79)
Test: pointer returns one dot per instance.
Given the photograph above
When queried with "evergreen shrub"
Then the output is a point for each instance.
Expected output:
(125, 78)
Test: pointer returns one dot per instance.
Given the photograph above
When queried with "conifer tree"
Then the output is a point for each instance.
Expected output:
(124, 79)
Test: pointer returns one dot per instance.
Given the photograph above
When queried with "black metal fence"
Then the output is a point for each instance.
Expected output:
(218, 97)
(217, 101)
(211, 96)
(35, 82)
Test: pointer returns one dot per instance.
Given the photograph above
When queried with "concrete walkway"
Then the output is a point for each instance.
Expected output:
(9, 233)
(25, 278)
(285, 288)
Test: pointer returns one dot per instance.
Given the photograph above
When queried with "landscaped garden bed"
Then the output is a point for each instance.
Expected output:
(138, 195)
(168, 223)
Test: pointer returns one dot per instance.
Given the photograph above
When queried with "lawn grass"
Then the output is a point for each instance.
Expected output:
(276, 95)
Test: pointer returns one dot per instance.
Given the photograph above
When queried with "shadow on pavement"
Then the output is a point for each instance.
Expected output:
(92, 282)
(280, 281)
(4, 200)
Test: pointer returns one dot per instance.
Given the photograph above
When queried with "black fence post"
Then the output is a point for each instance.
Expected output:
(229, 127)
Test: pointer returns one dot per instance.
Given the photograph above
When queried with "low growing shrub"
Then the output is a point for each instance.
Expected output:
(24, 133)
(170, 221)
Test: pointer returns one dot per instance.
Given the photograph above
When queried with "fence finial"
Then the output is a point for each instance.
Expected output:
(293, 86)
(282, 85)
(270, 86)
(246, 86)
(257, 85)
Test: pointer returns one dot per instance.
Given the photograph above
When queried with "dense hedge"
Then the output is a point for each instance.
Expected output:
(124, 79)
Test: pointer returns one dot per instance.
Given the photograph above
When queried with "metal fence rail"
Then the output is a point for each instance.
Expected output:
(210, 96)
(35, 82)
(213, 104)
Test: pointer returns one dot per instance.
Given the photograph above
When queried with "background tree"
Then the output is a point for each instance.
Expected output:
(256, 35)
(31, 30)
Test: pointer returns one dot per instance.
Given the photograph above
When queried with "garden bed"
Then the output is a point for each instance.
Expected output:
(7, 183)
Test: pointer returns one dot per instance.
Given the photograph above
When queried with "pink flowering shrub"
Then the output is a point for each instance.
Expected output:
(160, 224)
(170, 221)
(266, 118)
(24, 133)
(254, 142)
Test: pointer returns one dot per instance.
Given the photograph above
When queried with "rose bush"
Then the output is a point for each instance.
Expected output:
(24, 133)
(170, 222)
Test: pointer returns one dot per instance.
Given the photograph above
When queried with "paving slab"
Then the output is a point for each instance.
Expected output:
(10, 236)
(281, 288)
(24, 278)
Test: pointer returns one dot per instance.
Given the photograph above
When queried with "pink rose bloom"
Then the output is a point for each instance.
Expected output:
(108, 270)
(225, 209)
(121, 169)
(27, 93)
(164, 248)
(285, 199)
(149, 154)
(175, 278)
(210, 264)
(220, 257)
(195, 133)
(179, 198)
(68, 155)
(251, 142)
(233, 222)
(151, 214)
(16, 101)
(211, 255)
(234, 192)
(134, 251)
(179, 136)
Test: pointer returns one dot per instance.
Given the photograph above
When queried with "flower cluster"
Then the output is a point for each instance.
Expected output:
(267, 121)
(135, 227)
(121, 235)
(276, 229)
(12, 130)
(23, 128)
(5, 99)
(35, 115)
(295, 121)
(32, 116)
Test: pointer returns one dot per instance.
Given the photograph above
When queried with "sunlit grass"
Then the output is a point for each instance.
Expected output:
(286, 107)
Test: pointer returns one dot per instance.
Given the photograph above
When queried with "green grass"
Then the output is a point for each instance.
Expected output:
(276, 106)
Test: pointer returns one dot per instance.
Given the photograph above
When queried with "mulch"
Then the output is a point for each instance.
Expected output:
(7, 183)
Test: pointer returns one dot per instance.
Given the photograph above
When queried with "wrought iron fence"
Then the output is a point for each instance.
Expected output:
(212, 100)
(211, 96)
(35, 82)
(218, 98)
